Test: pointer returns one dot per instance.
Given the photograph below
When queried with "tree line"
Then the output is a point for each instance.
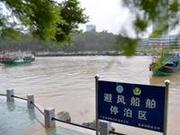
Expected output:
(80, 42)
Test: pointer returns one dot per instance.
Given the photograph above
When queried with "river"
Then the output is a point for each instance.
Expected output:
(68, 84)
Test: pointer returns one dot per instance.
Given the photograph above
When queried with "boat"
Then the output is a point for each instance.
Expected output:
(167, 66)
(16, 58)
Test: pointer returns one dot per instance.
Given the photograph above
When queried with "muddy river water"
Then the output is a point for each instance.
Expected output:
(67, 84)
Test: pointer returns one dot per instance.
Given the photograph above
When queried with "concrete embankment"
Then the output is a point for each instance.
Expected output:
(104, 53)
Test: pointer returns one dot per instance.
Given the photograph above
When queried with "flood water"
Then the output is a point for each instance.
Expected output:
(67, 84)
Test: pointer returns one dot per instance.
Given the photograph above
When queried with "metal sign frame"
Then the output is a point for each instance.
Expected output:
(96, 103)
(167, 82)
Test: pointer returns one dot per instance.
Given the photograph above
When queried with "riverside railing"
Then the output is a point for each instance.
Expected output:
(49, 115)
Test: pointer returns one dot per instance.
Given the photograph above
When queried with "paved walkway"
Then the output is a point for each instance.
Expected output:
(16, 119)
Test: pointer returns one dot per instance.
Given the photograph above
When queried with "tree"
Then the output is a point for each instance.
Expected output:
(163, 15)
(73, 15)
(44, 19)
(40, 17)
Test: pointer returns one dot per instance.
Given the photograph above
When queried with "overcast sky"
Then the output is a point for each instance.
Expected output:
(106, 15)
(110, 15)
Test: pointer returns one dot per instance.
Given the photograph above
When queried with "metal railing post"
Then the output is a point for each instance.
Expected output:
(10, 94)
(49, 114)
(167, 83)
(30, 101)
(96, 103)
(104, 127)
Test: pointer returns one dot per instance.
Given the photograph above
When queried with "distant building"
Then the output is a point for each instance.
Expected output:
(91, 27)
(163, 41)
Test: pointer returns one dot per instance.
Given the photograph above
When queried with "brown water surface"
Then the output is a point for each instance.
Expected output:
(67, 84)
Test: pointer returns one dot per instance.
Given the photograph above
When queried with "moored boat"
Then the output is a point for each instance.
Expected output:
(16, 58)
(167, 67)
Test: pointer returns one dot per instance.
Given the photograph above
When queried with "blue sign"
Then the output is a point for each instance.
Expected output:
(132, 104)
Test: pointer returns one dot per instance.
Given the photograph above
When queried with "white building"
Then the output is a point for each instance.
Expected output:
(91, 27)
(163, 41)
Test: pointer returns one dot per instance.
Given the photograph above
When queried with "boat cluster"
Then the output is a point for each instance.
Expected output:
(15, 58)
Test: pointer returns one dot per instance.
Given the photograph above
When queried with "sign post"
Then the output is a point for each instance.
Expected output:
(96, 104)
(167, 82)
(143, 106)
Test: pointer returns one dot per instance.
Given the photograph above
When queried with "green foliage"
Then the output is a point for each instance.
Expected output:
(154, 12)
(163, 57)
(9, 34)
(2, 20)
(39, 16)
(162, 14)
(73, 15)
(174, 6)
(127, 45)
(87, 41)
(93, 41)
(44, 19)
(140, 25)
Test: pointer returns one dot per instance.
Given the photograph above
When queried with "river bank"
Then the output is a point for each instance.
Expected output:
(94, 53)
(89, 53)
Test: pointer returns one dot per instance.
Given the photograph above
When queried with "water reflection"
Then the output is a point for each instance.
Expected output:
(16, 119)
(11, 106)
(32, 114)
(160, 80)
